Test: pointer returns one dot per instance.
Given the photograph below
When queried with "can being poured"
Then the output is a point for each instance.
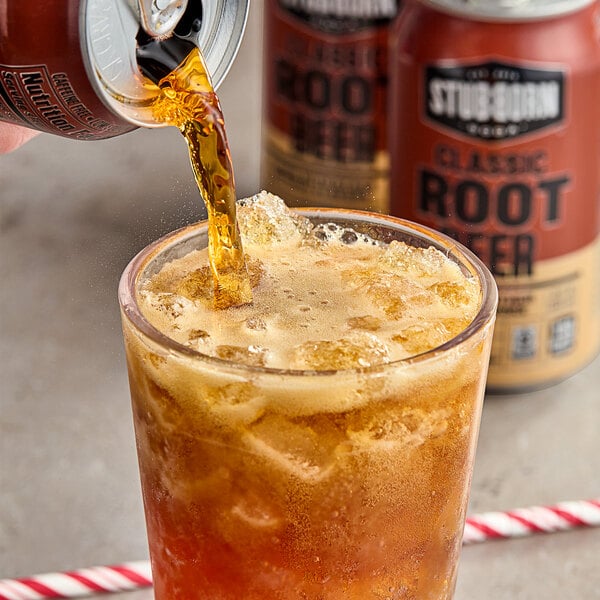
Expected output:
(72, 67)
(495, 140)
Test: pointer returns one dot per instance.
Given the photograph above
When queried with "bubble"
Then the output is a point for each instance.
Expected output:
(256, 270)
(256, 324)
(331, 232)
(349, 237)
(359, 349)
(320, 235)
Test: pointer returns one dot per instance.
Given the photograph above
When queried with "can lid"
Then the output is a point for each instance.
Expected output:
(109, 30)
(509, 10)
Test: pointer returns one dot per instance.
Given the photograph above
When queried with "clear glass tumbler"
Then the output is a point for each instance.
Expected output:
(266, 483)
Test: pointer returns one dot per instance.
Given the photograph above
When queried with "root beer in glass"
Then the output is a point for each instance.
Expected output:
(318, 442)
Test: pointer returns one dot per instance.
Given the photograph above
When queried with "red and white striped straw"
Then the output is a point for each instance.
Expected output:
(75, 584)
(134, 575)
(535, 519)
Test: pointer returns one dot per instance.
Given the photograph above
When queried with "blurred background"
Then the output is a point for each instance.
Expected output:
(72, 214)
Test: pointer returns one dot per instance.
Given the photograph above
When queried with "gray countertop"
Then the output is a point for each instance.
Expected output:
(72, 215)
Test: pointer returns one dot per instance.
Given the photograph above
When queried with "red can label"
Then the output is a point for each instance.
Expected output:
(501, 200)
(44, 84)
(34, 97)
(503, 154)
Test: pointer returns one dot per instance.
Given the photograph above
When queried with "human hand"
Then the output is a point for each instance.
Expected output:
(12, 136)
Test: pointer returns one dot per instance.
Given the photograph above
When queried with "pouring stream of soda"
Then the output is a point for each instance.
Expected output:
(189, 102)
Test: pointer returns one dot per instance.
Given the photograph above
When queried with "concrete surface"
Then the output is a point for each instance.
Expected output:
(72, 215)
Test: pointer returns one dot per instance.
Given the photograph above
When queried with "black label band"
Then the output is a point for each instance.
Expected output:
(493, 100)
(342, 16)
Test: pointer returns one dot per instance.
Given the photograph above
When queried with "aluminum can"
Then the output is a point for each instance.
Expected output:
(324, 107)
(495, 140)
(69, 67)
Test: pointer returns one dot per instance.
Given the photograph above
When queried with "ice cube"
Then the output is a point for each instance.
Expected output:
(254, 356)
(408, 427)
(405, 258)
(293, 448)
(197, 338)
(394, 293)
(422, 337)
(456, 294)
(399, 296)
(170, 305)
(358, 349)
(366, 323)
(265, 219)
(454, 325)
(426, 335)
(198, 334)
(254, 510)
(236, 403)
(197, 285)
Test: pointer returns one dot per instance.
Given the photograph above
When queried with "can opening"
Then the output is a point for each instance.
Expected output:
(157, 57)
(122, 60)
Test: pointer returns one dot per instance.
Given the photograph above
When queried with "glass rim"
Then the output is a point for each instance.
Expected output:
(488, 289)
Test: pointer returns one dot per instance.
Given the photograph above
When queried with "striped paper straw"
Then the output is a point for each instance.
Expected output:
(535, 519)
(76, 584)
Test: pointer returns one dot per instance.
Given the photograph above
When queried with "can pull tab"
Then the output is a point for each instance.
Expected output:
(158, 18)
(157, 56)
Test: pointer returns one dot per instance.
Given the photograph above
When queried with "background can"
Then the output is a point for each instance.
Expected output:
(69, 67)
(495, 140)
(324, 107)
